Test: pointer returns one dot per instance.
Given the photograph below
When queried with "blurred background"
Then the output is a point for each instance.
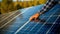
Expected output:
(13, 5)
(14, 14)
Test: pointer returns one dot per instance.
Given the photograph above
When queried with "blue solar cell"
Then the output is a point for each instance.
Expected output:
(33, 27)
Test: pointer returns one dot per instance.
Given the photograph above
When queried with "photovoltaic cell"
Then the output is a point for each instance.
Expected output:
(33, 27)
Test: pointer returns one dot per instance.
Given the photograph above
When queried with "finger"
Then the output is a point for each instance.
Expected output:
(32, 18)
(37, 19)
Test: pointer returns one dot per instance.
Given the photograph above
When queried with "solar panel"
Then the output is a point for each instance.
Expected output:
(20, 24)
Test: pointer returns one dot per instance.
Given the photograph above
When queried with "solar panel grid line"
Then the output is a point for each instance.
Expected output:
(28, 27)
(34, 26)
(9, 14)
(52, 16)
(7, 31)
(22, 27)
(7, 17)
(42, 25)
(52, 25)
(3, 16)
(53, 21)
(46, 21)
(47, 6)
(12, 16)
(13, 19)
(43, 16)
(29, 22)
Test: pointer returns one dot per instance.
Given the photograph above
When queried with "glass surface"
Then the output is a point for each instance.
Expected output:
(31, 27)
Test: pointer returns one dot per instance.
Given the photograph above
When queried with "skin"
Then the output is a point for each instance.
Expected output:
(35, 17)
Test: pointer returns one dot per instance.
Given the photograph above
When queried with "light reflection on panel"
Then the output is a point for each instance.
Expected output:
(31, 27)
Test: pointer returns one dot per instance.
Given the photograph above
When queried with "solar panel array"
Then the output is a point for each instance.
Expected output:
(20, 24)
